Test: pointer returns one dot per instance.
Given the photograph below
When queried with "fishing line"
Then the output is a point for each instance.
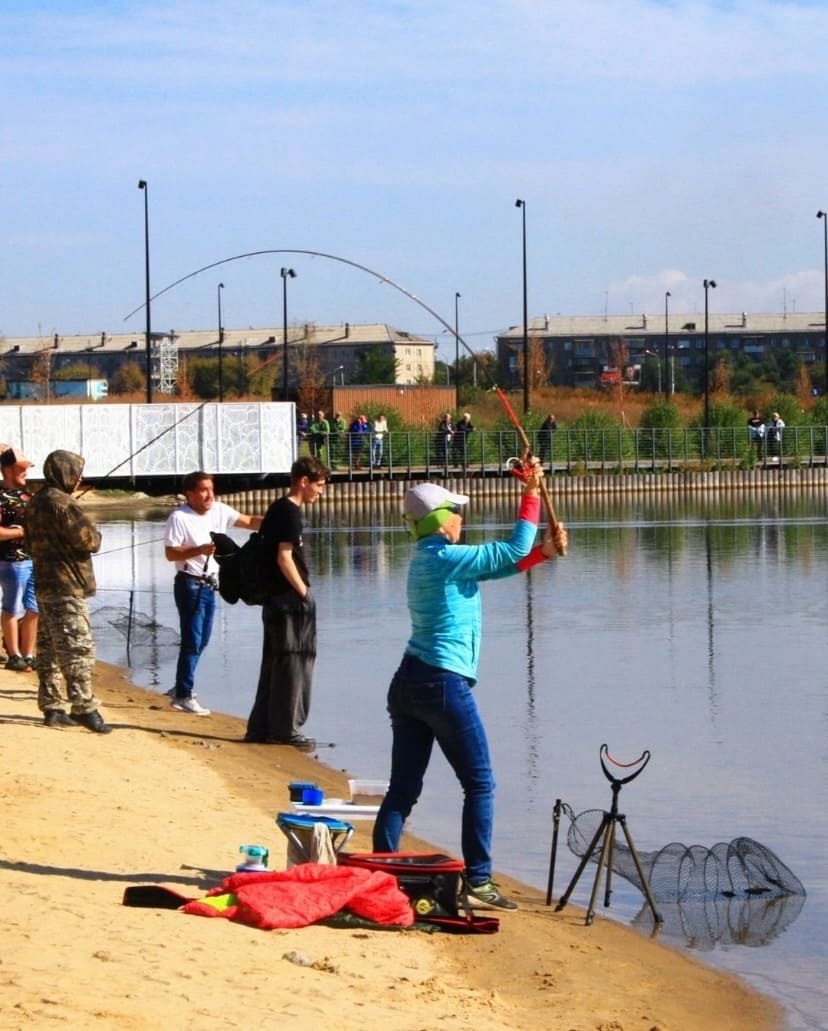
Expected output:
(143, 447)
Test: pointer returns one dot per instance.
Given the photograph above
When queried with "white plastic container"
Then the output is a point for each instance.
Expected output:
(367, 792)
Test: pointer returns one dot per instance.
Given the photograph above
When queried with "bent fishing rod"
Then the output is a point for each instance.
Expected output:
(510, 412)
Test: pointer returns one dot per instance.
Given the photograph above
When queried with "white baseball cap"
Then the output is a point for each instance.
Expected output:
(426, 497)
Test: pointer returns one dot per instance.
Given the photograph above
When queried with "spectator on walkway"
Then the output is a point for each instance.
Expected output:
(379, 430)
(773, 434)
(320, 431)
(302, 429)
(337, 439)
(460, 443)
(546, 439)
(357, 436)
(756, 432)
(445, 434)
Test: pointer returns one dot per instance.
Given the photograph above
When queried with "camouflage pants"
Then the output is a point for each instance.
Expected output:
(65, 650)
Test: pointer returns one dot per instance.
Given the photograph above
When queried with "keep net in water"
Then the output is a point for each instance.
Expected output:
(737, 892)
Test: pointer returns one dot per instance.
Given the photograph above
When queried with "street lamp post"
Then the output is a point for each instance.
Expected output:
(286, 273)
(142, 185)
(526, 388)
(339, 368)
(220, 342)
(824, 216)
(708, 283)
(653, 354)
(667, 296)
(456, 353)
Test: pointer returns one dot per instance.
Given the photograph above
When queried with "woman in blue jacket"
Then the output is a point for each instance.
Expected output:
(430, 698)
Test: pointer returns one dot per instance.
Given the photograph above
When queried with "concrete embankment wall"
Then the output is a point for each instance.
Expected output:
(811, 480)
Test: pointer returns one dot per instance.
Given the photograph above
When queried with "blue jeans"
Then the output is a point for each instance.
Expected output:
(196, 604)
(427, 704)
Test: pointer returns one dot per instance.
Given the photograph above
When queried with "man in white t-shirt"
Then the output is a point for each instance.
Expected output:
(188, 544)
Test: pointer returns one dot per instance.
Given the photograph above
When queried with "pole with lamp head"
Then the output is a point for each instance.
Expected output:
(220, 342)
(708, 284)
(286, 273)
(456, 353)
(824, 216)
(667, 296)
(526, 387)
(142, 185)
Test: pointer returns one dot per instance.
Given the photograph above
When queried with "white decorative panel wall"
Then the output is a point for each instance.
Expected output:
(156, 439)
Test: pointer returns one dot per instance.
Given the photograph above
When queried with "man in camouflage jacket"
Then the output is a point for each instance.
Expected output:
(61, 539)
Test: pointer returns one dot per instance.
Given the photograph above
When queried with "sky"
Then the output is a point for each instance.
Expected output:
(655, 144)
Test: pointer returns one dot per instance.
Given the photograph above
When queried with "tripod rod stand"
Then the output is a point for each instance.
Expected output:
(606, 835)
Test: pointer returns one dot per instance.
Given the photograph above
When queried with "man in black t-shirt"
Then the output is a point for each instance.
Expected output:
(288, 618)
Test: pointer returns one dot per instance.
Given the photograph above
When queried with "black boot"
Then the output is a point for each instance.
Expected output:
(57, 718)
(93, 721)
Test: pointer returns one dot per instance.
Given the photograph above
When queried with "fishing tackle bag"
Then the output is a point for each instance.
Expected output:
(243, 571)
(433, 883)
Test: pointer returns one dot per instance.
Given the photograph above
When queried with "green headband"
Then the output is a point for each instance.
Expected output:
(432, 522)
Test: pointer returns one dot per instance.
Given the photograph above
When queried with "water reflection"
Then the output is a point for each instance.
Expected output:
(689, 625)
(703, 924)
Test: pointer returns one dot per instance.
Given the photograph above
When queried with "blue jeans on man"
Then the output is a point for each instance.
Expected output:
(196, 604)
(427, 704)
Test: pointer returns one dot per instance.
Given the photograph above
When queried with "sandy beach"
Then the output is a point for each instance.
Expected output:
(167, 799)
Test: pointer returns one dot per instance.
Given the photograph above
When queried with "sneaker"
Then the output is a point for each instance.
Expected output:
(489, 894)
(17, 663)
(31, 661)
(190, 705)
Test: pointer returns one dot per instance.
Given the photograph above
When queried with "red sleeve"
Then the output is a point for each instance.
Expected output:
(529, 509)
(534, 558)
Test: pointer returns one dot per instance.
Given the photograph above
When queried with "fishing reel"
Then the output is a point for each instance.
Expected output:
(209, 580)
(520, 467)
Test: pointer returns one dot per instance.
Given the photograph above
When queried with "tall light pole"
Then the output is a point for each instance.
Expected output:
(824, 216)
(654, 354)
(142, 185)
(667, 296)
(456, 352)
(286, 273)
(220, 342)
(708, 283)
(526, 394)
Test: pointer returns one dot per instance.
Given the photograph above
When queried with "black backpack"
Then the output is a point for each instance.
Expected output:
(244, 572)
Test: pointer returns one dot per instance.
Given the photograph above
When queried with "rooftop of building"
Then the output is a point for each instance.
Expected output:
(193, 339)
(677, 322)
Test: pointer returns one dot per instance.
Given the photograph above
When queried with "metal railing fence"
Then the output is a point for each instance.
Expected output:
(573, 451)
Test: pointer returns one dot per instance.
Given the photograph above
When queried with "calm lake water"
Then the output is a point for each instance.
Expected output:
(694, 628)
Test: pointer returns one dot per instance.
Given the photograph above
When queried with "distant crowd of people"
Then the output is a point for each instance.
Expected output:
(339, 443)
